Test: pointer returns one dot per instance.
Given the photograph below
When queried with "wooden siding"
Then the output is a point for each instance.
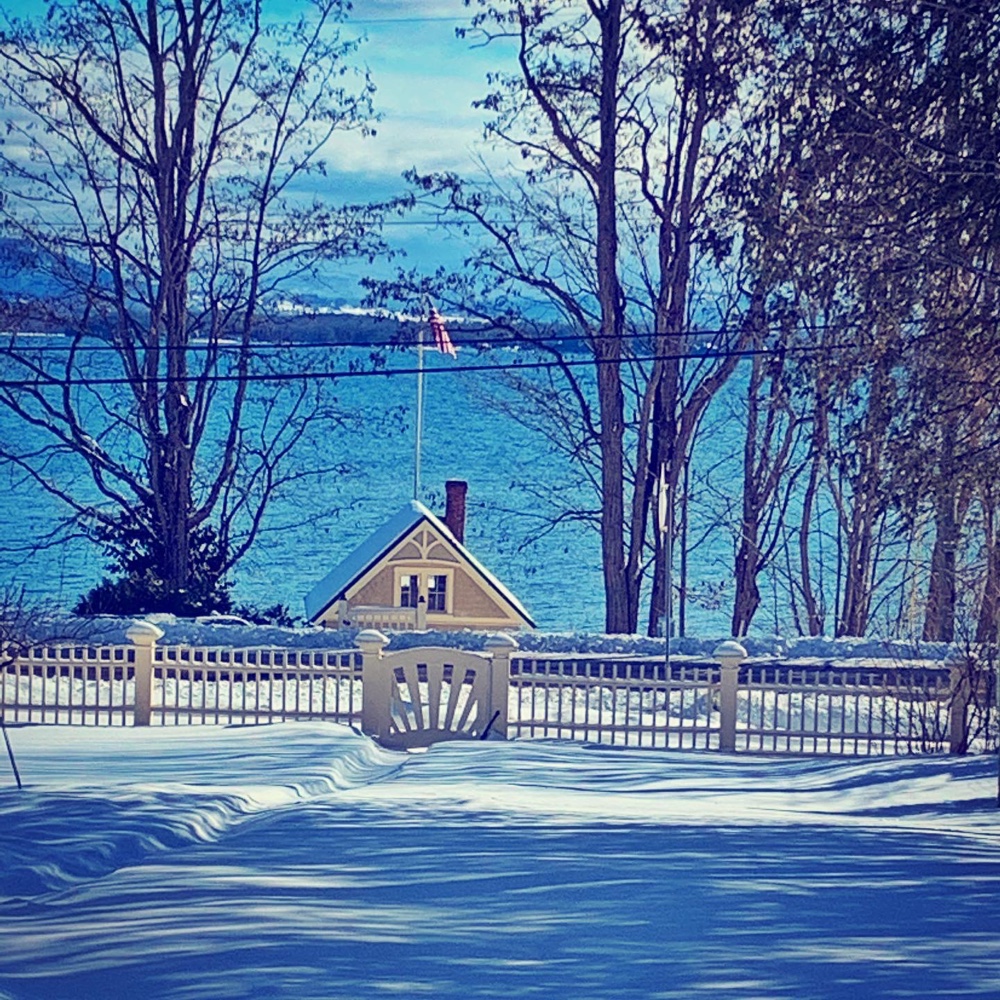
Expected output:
(471, 600)
(377, 591)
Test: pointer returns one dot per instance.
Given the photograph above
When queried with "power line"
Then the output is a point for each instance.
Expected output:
(14, 350)
(43, 381)
(70, 224)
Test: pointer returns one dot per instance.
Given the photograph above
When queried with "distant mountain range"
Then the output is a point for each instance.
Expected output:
(22, 277)
(32, 299)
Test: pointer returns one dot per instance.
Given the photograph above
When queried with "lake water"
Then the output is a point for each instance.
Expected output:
(311, 529)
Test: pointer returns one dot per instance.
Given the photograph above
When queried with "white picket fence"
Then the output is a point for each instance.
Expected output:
(875, 708)
(143, 682)
(413, 697)
(74, 684)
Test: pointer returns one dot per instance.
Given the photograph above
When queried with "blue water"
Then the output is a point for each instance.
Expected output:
(312, 526)
(558, 578)
(475, 428)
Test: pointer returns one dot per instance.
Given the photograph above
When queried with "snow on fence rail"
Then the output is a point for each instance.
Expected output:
(728, 702)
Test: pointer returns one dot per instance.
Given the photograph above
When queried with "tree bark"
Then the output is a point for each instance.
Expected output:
(988, 619)
(620, 602)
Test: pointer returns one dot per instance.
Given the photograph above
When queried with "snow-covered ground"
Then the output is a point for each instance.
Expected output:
(302, 861)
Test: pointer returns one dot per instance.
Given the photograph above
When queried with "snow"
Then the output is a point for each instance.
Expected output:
(361, 558)
(303, 861)
(181, 631)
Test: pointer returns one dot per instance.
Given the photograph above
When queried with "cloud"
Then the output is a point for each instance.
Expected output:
(427, 80)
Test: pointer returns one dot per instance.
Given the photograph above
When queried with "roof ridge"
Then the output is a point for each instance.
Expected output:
(371, 549)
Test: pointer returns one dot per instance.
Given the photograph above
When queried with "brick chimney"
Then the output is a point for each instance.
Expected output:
(454, 508)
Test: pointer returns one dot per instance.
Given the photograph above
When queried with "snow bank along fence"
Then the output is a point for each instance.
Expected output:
(420, 695)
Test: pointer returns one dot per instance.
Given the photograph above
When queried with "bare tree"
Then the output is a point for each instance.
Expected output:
(893, 237)
(771, 433)
(160, 165)
(613, 223)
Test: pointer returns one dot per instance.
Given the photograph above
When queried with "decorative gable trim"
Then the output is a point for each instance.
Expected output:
(412, 529)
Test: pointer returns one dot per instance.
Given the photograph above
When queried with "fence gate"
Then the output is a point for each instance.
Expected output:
(416, 697)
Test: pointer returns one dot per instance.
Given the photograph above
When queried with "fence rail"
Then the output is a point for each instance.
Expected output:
(810, 708)
(220, 685)
(81, 685)
(627, 702)
(394, 619)
(70, 684)
(799, 707)
(727, 702)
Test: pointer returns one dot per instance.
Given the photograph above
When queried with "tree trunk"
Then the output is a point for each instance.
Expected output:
(989, 603)
(620, 604)
(856, 605)
(814, 617)
(746, 598)
(939, 614)
(860, 513)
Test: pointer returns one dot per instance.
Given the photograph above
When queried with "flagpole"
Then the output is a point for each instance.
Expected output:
(665, 519)
(420, 409)
(668, 572)
(442, 343)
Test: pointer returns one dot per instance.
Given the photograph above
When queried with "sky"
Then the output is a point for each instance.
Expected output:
(300, 861)
(427, 80)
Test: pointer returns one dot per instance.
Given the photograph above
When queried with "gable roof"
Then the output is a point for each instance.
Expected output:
(378, 544)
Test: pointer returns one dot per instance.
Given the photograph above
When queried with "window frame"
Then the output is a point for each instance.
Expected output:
(407, 578)
(425, 576)
(445, 593)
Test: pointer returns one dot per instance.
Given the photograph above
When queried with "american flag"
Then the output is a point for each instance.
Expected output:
(441, 339)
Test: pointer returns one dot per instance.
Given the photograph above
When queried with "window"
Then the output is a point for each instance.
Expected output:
(409, 590)
(431, 590)
(437, 593)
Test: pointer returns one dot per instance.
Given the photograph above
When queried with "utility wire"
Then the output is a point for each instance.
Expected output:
(435, 221)
(13, 349)
(45, 380)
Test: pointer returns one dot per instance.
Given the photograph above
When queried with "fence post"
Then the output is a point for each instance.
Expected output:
(144, 636)
(730, 654)
(995, 680)
(375, 687)
(960, 694)
(501, 647)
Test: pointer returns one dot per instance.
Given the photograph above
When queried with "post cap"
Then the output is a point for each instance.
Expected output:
(371, 637)
(729, 649)
(500, 640)
(143, 633)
